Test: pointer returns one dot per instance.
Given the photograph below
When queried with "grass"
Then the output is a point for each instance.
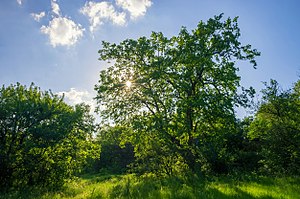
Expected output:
(131, 186)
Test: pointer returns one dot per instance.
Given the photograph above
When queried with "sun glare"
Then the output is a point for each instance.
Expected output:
(128, 84)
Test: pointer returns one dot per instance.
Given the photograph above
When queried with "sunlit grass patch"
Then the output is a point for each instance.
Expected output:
(276, 188)
(260, 187)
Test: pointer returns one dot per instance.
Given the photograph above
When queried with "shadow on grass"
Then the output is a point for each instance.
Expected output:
(175, 188)
(29, 193)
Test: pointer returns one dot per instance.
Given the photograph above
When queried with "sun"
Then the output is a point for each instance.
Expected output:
(128, 84)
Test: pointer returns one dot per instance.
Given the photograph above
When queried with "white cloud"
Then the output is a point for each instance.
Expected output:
(19, 2)
(136, 8)
(55, 7)
(100, 12)
(63, 31)
(38, 16)
(74, 97)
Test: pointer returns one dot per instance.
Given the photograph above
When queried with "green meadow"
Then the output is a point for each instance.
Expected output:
(131, 186)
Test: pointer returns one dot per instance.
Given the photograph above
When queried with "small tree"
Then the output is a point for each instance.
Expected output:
(177, 94)
(276, 126)
(42, 139)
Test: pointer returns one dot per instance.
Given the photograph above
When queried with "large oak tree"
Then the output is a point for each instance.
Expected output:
(177, 95)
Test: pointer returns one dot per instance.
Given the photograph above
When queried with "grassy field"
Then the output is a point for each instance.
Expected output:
(130, 186)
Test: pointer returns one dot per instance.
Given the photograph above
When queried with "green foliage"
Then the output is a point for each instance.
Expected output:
(277, 128)
(183, 91)
(43, 141)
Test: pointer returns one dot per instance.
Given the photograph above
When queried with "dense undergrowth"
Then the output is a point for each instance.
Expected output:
(149, 186)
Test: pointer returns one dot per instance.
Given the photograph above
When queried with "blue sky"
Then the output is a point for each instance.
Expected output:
(54, 43)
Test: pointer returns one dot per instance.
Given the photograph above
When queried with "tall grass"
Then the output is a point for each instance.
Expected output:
(131, 186)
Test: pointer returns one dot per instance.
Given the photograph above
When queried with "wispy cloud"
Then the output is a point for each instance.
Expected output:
(55, 7)
(19, 2)
(100, 12)
(74, 96)
(63, 31)
(136, 8)
(38, 16)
